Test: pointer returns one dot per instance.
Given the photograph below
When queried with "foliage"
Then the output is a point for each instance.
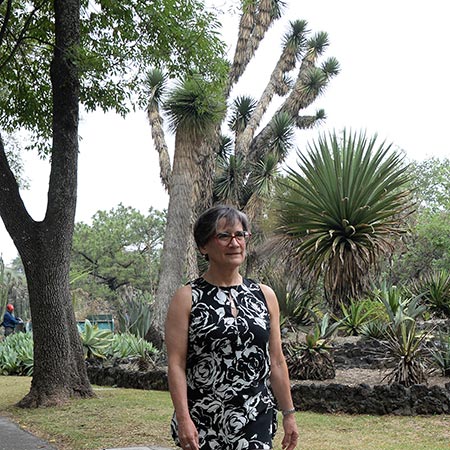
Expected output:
(121, 247)
(4, 289)
(440, 353)
(341, 208)
(427, 245)
(118, 45)
(95, 341)
(193, 106)
(399, 306)
(13, 155)
(431, 183)
(311, 359)
(125, 345)
(16, 355)
(374, 329)
(354, 317)
(296, 302)
(135, 312)
(404, 343)
(405, 347)
(435, 289)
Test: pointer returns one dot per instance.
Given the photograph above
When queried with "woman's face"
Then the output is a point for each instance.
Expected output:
(228, 245)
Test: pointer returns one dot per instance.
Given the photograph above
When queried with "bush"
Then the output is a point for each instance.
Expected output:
(435, 290)
(16, 355)
(440, 354)
(312, 359)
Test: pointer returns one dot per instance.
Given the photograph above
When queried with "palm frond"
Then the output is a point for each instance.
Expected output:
(241, 111)
(193, 105)
(156, 84)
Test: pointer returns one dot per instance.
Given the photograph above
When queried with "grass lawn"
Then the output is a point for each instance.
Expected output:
(129, 417)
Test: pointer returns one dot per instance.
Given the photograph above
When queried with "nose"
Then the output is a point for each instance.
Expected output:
(234, 241)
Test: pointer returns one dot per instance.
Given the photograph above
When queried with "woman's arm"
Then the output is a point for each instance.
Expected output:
(279, 377)
(176, 338)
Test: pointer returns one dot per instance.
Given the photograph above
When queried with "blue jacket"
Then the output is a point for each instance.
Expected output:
(9, 321)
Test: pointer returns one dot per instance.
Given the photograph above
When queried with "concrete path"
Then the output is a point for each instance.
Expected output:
(12, 437)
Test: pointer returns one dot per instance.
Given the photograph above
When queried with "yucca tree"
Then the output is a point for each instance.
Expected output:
(246, 166)
(341, 208)
(246, 178)
(193, 109)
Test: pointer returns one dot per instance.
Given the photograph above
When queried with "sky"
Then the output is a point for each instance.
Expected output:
(394, 81)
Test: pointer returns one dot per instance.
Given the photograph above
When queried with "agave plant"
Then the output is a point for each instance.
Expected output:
(341, 208)
(354, 317)
(398, 306)
(126, 345)
(135, 313)
(95, 341)
(374, 329)
(435, 289)
(440, 354)
(16, 355)
(312, 359)
(405, 346)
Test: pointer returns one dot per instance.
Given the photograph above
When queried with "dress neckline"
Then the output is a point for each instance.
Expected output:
(235, 286)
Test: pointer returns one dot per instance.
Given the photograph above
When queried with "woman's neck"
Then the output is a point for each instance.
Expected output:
(223, 277)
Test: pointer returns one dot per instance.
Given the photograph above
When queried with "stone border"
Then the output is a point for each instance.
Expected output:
(323, 398)
(395, 399)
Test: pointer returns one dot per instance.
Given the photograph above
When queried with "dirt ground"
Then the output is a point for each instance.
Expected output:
(355, 376)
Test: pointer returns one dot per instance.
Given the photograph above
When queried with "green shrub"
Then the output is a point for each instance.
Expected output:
(374, 329)
(126, 345)
(95, 341)
(135, 313)
(434, 287)
(404, 343)
(440, 354)
(16, 355)
(312, 359)
(355, 315)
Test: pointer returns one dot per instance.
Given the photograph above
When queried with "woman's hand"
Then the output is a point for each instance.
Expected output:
(188, 434)
(290, 438)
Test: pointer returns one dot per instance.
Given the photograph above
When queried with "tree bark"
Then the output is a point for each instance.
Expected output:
(178, 230)
(59, 368)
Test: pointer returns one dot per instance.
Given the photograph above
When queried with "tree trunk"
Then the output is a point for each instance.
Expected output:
(178, 231)
(59, 369)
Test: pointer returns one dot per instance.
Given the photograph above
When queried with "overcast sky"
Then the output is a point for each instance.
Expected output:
(394, 81)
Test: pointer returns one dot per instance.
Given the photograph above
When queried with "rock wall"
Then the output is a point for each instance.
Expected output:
(322, 398)
(376, 400)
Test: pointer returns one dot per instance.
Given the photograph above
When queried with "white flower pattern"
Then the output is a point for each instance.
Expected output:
(228, 368)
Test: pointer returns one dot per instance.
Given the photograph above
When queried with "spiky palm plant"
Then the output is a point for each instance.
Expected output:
(435, 288)
(340, 209)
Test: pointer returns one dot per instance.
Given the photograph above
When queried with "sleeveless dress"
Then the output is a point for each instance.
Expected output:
(228, 368)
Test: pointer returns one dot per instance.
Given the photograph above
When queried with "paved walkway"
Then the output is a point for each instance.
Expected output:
(12, 437)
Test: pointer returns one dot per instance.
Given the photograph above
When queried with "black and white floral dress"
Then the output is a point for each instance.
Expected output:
(228, 368)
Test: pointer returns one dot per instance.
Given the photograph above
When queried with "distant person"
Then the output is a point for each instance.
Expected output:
(227, 373)
(9, 321)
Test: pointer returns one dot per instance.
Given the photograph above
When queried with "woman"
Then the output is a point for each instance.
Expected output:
(224, 349)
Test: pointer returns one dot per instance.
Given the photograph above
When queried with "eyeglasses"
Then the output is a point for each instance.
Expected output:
(226, 238)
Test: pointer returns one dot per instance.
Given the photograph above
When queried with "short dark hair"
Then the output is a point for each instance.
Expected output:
(206, 225)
